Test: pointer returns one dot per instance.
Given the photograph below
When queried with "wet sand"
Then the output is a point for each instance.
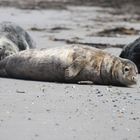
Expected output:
(33, 110)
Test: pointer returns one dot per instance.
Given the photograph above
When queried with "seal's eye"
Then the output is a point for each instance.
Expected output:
(126, 69)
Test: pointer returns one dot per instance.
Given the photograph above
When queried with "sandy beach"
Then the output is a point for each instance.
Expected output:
(32, 110)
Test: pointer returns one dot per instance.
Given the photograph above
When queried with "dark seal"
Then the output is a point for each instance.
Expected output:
(132, 52)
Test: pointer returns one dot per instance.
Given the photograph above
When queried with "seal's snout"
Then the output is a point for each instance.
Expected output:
(134, 79)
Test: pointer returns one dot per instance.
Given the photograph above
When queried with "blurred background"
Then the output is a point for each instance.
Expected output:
(99, 23)
(129, 5)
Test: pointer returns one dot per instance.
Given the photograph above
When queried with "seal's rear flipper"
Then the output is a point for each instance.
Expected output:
(75, 68)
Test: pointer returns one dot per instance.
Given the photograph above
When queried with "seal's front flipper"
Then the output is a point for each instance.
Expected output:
(85, 82)
(75, 68)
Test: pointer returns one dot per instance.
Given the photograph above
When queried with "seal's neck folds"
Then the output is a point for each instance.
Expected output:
(109, 70)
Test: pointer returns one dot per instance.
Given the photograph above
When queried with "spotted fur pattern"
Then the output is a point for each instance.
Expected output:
(72, 64)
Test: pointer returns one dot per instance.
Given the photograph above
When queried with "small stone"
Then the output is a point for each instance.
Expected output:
(74, 87)
(29, 119)
(135, 118)
(100, 95)
(113, 128)
(89, 100)
(43, 90)
(18, 91)
(124, 98)
(57, 124)
(48, 110)
(36, 135)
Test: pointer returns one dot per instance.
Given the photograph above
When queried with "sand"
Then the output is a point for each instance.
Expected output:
(32, 110)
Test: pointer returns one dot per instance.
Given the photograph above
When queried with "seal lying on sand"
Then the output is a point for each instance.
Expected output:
(13, 39)
(132, 52)
(70, 64)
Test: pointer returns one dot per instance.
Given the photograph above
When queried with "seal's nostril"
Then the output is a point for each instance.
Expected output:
(134, 78)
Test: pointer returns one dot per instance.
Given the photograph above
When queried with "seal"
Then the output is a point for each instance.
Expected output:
(132, 52)
(13, 39)
(70, 64)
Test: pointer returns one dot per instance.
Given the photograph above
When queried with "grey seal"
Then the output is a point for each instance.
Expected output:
(13, 39)
(70, 64)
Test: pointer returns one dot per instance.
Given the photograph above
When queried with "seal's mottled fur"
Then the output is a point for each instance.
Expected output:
(13, 39)
(70, 64)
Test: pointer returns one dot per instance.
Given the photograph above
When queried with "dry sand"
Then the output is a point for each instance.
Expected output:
(33, 110)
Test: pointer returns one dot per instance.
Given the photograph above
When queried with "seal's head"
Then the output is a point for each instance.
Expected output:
(127, 72)
(7, 47)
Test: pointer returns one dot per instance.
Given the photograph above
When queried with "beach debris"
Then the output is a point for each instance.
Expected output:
(118, 31)
(37, 29)
(53, 29)
(20, 91)
(82, 42)
(59, 28)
